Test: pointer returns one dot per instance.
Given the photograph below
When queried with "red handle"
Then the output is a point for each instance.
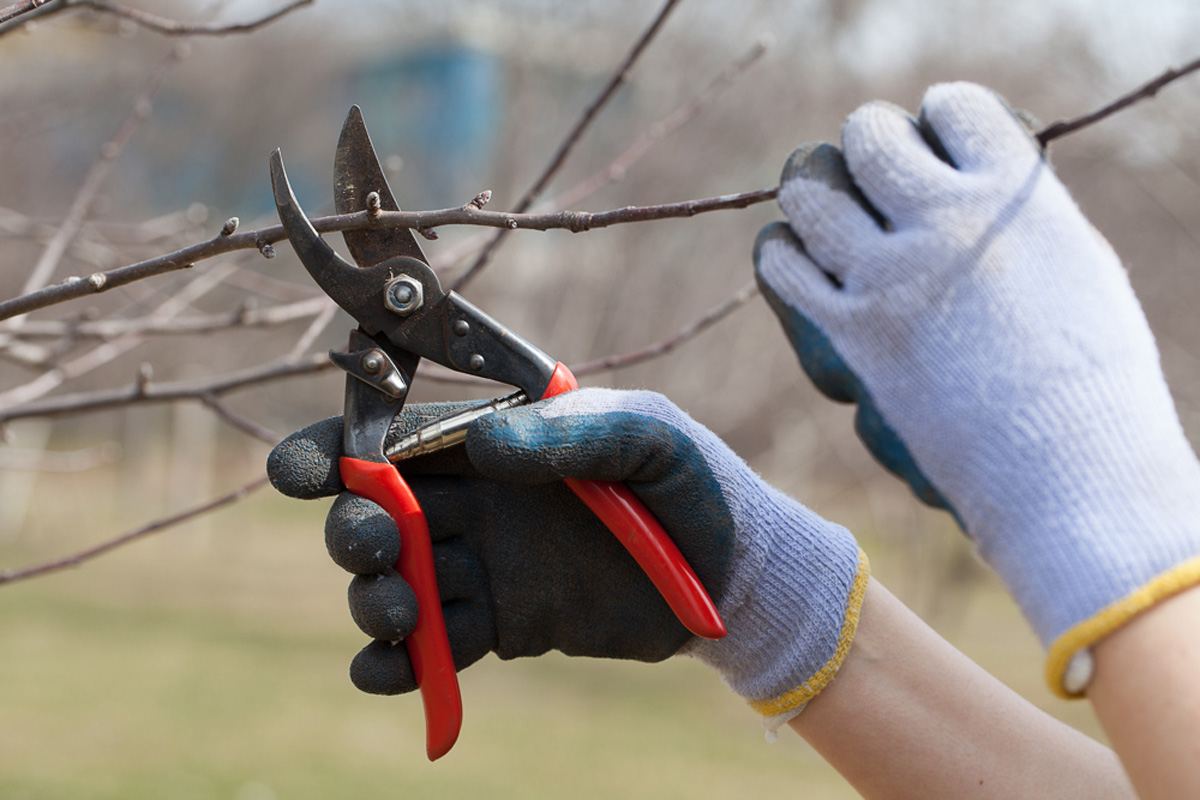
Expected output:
(641, 534)
(428, 645)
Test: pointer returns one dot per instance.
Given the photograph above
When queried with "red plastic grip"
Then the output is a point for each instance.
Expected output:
(642, 535)
(428, 645)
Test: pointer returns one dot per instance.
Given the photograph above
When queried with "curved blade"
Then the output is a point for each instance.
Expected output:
(357, 173)
(358, 291)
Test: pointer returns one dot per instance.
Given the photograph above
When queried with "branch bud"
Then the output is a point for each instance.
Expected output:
(230, 226)
(480, 200)
(374, 205)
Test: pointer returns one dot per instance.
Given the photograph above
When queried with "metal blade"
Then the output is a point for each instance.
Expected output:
(357, 173)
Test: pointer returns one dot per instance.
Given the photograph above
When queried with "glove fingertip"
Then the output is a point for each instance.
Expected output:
(383, 606)
(360, 536)
(383, 667)
(305, 464)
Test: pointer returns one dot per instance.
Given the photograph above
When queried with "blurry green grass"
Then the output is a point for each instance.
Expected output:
(211, 663)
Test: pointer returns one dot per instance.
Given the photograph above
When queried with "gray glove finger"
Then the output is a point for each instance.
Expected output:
(305, 464)
(821, 161)
(383, 606)
(383, 667)
(360, 536)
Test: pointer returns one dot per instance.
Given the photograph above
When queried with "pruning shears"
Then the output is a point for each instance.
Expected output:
(404, 315)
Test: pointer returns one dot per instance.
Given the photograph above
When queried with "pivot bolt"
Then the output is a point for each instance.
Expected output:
(403, 295)
(372, 362)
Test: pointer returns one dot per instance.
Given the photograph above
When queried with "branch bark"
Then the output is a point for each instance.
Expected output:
(574, 221)
(75, 559)
(573, 136)
(143, 19)
(1145, 91)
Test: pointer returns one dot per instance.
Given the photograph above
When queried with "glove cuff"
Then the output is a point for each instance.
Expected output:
(791, 608)
(1062, 659)
(791, 702)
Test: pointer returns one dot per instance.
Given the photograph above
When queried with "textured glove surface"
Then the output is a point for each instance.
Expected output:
(941, 276)
(524, 567)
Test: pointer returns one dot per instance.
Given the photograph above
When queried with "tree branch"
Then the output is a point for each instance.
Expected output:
(170, 27)
(207, 390)
(574, 221)
(686, 333)
(144, 19)
(1147, 90)
(573, 136)
(660, 130)
(244, 316)
(143, 390)
(96, 176)
(75, 559)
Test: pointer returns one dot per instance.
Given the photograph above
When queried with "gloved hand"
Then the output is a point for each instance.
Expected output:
(937, 273)
(524, 567)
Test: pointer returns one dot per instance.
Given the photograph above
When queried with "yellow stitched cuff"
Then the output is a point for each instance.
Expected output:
(1113, 616)
(794, 698)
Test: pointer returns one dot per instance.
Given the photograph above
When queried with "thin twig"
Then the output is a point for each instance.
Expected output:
(53, 378)
(572, 138)
(660, 130)
(75, 559)
(146, 391)
(240, 421)
(1059, 129)
(170, 27)
(96, 176)
(242, 317)
(144, 19)
(18, 9)
(574, 221)
(661, 348)
(207, 389)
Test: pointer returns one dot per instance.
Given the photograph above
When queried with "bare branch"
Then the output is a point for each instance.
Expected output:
(144, 19)
(244, 316)
(574, 221)
(1148, 90)
(170, 27)
(96, 176)
(26, 6)
(686, 333)
(143, 390)
(75, 559)
(53, 378)
(663, 128)
(573, 136)
(240, 421)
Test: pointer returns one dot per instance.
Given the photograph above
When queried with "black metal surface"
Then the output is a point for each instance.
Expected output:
(368, 412)
(357, 173)
(446, 329)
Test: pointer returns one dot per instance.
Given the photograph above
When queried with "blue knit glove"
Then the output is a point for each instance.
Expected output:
(938, 274)
(524, 567)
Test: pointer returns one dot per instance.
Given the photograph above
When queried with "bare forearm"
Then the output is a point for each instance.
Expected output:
(1147, 697)
(910, 716)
